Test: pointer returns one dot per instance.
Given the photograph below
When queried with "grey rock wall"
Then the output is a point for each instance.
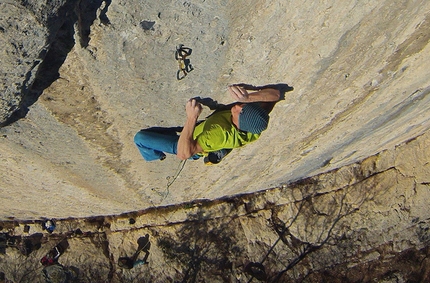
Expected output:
(335, 190)
(28, 30)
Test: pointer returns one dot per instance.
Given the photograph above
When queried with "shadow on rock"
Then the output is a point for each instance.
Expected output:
(204, 246)
(143, 246)
(61, 43)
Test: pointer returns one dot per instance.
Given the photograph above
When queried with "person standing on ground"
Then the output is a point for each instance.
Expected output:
(222, 131)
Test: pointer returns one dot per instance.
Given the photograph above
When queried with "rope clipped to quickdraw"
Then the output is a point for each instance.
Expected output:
(185, 66)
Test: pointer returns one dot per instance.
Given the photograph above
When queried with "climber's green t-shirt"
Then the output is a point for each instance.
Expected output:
(218, 132)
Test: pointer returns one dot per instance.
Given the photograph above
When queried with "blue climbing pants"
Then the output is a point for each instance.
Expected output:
(153, 145)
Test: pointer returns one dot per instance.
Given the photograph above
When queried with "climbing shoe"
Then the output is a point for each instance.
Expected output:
(215, 157)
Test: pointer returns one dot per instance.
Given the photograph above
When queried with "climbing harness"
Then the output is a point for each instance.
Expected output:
(185, 66)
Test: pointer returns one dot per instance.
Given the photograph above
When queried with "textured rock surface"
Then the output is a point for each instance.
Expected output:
(359, 73)
(92, 73)
(27, 30)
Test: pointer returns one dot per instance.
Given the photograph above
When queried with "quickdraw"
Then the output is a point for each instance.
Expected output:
(185, 66)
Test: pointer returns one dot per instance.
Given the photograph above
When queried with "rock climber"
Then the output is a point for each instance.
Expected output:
(219, 133)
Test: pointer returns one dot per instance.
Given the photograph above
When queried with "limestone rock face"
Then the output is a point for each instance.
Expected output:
(80, 78)
(91, 74)
(27, 31)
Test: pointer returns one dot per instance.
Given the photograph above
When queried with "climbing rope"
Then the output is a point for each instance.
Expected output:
(171, 180)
